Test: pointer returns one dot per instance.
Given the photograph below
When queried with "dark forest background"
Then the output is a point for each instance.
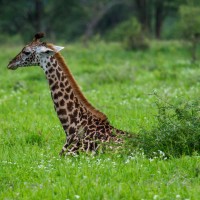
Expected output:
(112, 20)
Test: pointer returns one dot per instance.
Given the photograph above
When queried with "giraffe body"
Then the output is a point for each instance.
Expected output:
(85, 127)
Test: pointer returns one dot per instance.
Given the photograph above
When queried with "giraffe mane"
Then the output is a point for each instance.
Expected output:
(76, 88)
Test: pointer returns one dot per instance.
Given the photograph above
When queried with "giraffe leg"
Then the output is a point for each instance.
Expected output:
(69, 151)
(68, 142)
(71, 146)
(77, 145)
(73, 150)
(63, 149)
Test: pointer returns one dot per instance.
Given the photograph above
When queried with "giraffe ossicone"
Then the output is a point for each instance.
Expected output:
(85, 126)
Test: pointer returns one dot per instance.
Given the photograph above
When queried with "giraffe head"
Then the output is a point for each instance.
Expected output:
(34, 53)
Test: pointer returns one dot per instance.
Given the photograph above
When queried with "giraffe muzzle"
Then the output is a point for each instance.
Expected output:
(11, 66)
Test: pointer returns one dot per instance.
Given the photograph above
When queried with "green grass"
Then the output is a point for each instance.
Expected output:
(120, 84)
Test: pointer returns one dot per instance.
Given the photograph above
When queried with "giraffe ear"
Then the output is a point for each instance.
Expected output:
(57, 48)
(45, 51)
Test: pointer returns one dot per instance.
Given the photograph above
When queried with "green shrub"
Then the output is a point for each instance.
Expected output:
(130, 34)
(177, 130)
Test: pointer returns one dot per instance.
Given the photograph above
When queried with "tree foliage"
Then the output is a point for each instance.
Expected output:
(190, 26)
(69, 20)
(190, 21)
(130, 34)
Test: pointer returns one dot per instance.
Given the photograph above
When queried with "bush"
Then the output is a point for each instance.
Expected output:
(130, 34)
(177, 130)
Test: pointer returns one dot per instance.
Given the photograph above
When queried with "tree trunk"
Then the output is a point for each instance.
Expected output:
(158, 18)
(143, 12)
(194, 42)
(38, 15)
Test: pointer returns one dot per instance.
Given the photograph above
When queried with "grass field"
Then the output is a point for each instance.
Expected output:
(120, 84)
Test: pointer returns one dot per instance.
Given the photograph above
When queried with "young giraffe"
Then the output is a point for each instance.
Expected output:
(85, 126)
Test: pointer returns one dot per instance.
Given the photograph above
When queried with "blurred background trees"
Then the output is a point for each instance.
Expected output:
(190, 26)
(128, 21)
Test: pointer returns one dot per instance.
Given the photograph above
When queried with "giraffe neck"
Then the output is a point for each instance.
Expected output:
(71, 106)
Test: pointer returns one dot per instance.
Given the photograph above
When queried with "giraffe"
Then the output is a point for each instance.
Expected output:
(86, 127)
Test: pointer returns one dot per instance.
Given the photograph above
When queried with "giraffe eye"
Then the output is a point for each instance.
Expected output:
(48, 52)
(26, 52)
